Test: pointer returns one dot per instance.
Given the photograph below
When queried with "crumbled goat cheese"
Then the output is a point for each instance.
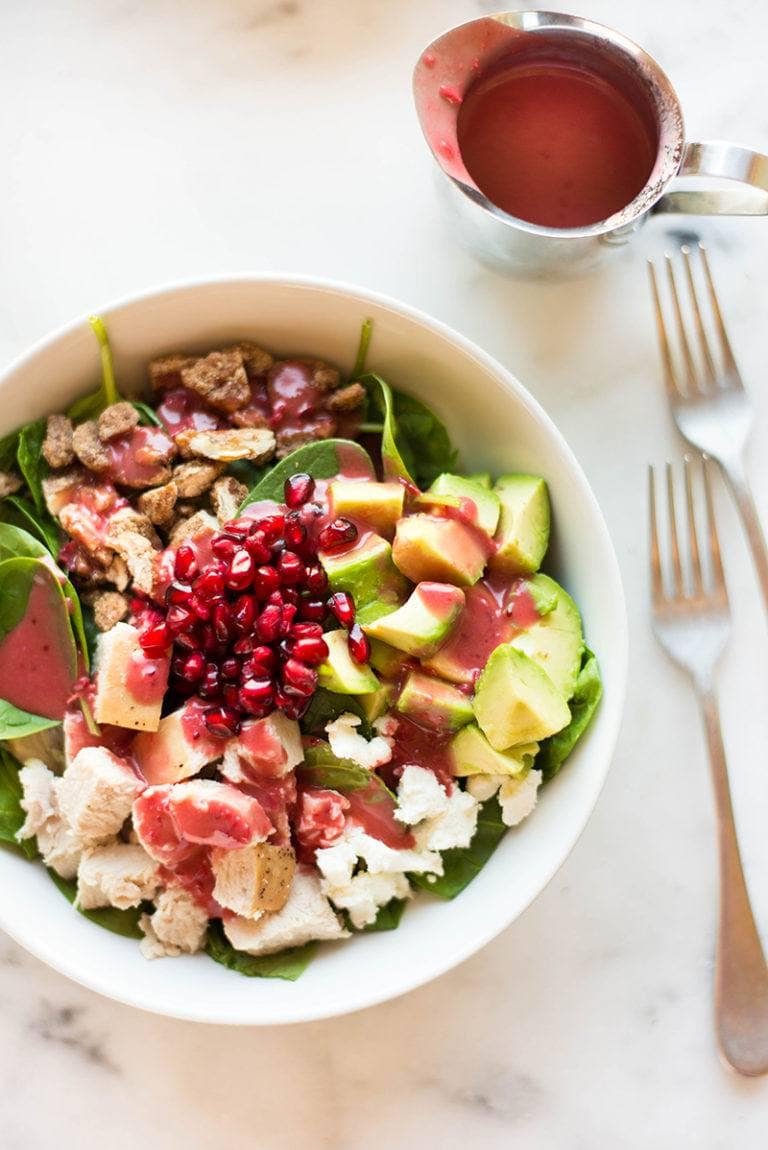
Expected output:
(454, 827)
(364, 895)
(518, 797)
(419, 795)
(347, 743)
(484, 787)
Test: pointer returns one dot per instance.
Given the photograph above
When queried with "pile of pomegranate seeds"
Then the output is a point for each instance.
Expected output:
(246, 629)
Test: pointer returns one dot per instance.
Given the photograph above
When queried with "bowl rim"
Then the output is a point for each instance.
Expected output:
(403, 983)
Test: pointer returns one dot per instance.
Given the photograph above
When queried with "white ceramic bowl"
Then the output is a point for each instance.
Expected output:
(498, 427)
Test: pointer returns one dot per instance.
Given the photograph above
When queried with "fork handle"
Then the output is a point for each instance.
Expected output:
(736, 475)
(741, 974)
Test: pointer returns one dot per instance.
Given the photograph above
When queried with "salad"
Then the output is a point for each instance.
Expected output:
(271, 663)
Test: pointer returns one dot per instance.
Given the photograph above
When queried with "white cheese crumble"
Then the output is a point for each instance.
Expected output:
(419, 795)
(347, 743)
(453, 827)
(517, 797)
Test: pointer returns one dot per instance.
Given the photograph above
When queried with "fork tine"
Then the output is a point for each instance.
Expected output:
(677, 570)
(698, 585)
(657, 581)
(710, 376)
(726, 351)
(673, 389)
(718, 575)
(690, 367)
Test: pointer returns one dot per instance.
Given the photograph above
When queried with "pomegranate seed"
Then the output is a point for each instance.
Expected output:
(210, 585)
(222, 722)
(265, 581)
(257, 548)
(272, 527)
(276, 598)
(268, 623)
(287, 615)
(359, 646)
(188, 640)
(291, 595)
(230, 668)
(208, 640)
(312, 609)
(290, 568)
(231, 696)
(316, 579)
(190, 667)
(244, 612)
(306, 631)
(312, 651)
(342, 605)
(263, 659)
(180, 618)
(138, 605)
(211, 682)
(178, 593)
(200, 607)
(298, 677)
(245, 646)
(240, 526)
(240, 571)
(298, 489)
(256, 691)
(155, 638)
(295, 533)
(185, 565)
(223, 548)
(222, 622)
(337, 534)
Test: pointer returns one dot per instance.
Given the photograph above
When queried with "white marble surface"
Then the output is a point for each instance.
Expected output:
(144, 142)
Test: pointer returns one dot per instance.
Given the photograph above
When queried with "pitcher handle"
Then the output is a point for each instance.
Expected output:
(718, 160)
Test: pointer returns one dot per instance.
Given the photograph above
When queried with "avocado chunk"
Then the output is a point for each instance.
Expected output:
(433, 703)
(388, 661)
(423, 622)
(378, 702)
(367, 572)
(523, 532)
(483, 478)
(341, 673)
(556, 642)
(472, 754)
(380, 505)
(516, 702)
(487, 504)
(433, 548)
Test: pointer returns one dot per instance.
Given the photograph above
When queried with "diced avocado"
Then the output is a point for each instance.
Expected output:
(556, 642)
(516, 702)
(544, 597)
(486, 502)
(523, 532)
(380, 505)
(367, 572)
(341, 673)
(472, 754)
(378, 703)
(483, 478)
(388, 661)
(424, 622)
(433, 703)
(433, 548)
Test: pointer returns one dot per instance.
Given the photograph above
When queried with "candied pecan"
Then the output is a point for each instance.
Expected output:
(249, 417)
(109, 608)
(141, 558)
(88, 447)
(9, 483)
(291, 438)
(117, 419)
(80, 524)
(197, 524)
(127, 519)
(57, 445)
(195, 477)
(346, 398)
(158, 503)
(220, 379)
(226, 496)
(165, 371)
(256, 360)
(226, 445)
(115, 574)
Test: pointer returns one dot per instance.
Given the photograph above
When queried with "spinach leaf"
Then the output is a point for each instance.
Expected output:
(322, 459)
(11, 815)
(287, 964)
(8, 446)
(327, 706)
(90, 632)
(91, 406)
(22, 513)
(147, 415)
(15, 723)
(388, 918)
(124, 922)
(321, 768)
(32, 465)
(556, 749)
(414, 444)
(16, 576)
(461, 864)
(366, 331)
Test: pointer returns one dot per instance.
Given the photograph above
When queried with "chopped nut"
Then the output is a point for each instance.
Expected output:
(158, 503)
(9, 483)
(79, 524)
(117, 419)
(249, 417)
(225, 446)
(116, 574)
(256, 360)
(141, 558)
(57, 445)
(220, 379)
(325, 377)
(127, 519)
(165, 371)
(200, 523)
(289, 440)
(193, 478)
(346, 398)
(88, 447)
(226, 496)
(109, 607)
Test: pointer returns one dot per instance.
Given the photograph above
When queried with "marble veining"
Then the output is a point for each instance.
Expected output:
(145, 142)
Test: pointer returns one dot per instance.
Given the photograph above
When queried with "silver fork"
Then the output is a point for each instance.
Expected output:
(709, 404)
(692, 621)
